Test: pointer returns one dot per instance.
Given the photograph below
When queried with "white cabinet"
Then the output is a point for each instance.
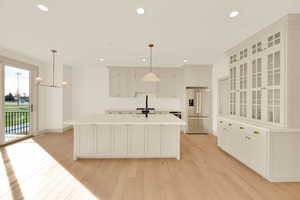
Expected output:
(264, 73)
(104, 139)
(127, 82)
(170, 142)
(120, 142)
(136, 140)
(246, 143)
(86, 141)
(121, 82)
(169, 85)
(127, 141)
(140, 85)
(233, 92)
(271, 152)
(153, 145)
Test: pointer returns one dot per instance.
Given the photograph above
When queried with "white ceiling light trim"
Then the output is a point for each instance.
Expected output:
(185, 60)
(43, 7)
(101, 59)
(140, 11)
(151, 76)
(234, 14)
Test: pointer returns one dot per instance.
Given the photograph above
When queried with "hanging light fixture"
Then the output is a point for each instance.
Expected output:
(52, 85)
(151, 76)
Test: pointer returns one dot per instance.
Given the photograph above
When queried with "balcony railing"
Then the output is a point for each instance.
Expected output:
(17, 123)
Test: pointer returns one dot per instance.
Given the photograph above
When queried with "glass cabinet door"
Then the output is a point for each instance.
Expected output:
(256, 74)
(274, 76)
(273, 87)
(233, 90)
(243, 89)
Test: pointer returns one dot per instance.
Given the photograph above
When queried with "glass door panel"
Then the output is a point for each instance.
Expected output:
(17, 103)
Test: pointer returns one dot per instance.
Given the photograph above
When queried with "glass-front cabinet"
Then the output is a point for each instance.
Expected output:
(233, 85)
(243, 84)
(256, 80)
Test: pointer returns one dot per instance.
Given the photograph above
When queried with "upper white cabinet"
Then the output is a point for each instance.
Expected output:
(121, 82)
(169, 85)
(127, 82)
(264, 74)
(140, 85)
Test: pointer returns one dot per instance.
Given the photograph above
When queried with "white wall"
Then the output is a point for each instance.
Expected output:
(91, 94)
(220, 70)
(197, 75)
(67, 94)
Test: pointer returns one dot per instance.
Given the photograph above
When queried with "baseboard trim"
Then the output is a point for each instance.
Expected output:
(60, 130)
(283, 179)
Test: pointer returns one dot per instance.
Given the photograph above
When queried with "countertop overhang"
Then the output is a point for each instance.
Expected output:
(127, 119)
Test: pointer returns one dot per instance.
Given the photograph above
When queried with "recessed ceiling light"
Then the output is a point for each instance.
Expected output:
(101, 59)
(144, 59)
(185, 60)
(43, 7)
(140, 11)
(234, 14)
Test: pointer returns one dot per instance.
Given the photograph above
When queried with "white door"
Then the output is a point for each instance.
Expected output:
(18, 101)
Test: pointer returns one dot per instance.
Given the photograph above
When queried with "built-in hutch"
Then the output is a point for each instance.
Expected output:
(263, 126)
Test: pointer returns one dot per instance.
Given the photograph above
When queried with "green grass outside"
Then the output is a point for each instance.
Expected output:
(21, 118)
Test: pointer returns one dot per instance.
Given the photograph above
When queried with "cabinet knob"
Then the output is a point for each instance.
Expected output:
(221, 122)
(229, 124)
(242, 128)
(255, 132)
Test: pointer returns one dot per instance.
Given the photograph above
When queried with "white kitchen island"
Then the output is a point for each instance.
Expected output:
(127, 136)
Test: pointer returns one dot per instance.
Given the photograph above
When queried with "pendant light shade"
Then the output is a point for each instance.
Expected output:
(151, 76)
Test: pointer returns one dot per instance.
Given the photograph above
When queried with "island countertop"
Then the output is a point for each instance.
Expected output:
(128, 119)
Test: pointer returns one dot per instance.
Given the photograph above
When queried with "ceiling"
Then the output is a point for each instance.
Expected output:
(84, 31)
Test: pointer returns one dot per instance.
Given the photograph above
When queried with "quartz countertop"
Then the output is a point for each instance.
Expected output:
(127, 119)
(138, 111)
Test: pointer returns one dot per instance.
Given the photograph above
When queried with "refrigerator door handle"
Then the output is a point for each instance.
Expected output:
(199, 102)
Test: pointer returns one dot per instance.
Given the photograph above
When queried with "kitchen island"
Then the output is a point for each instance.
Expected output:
(127, 136)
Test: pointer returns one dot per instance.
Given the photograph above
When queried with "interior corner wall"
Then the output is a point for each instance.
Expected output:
(220, 70)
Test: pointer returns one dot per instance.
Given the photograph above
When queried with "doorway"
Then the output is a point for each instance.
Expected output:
(18, 102)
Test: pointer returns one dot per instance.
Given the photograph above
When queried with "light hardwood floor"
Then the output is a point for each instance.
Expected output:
(42, 168)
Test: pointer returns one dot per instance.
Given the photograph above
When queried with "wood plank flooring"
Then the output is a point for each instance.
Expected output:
(42, 168)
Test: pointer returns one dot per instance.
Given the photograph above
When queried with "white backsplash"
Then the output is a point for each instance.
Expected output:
(139, 101)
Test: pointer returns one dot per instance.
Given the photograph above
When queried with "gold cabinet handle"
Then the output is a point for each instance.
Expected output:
(229, 124)
(255, 132)
(221, 122)
(242, 128)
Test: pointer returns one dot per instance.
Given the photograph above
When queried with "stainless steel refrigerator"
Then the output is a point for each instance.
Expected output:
(198, 110)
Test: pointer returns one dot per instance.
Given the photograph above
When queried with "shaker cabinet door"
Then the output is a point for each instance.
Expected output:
(87, 138)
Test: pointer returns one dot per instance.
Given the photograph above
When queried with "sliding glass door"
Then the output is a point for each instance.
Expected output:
(17, 109)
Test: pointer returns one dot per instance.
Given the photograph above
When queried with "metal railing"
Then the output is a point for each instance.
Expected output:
(17, 123)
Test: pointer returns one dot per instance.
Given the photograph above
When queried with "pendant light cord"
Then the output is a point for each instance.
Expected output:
(150, 59)
(53, 66)
(151, 46)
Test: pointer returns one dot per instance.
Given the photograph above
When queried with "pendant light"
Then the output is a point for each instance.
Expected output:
(151, 76)
(51, 85)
